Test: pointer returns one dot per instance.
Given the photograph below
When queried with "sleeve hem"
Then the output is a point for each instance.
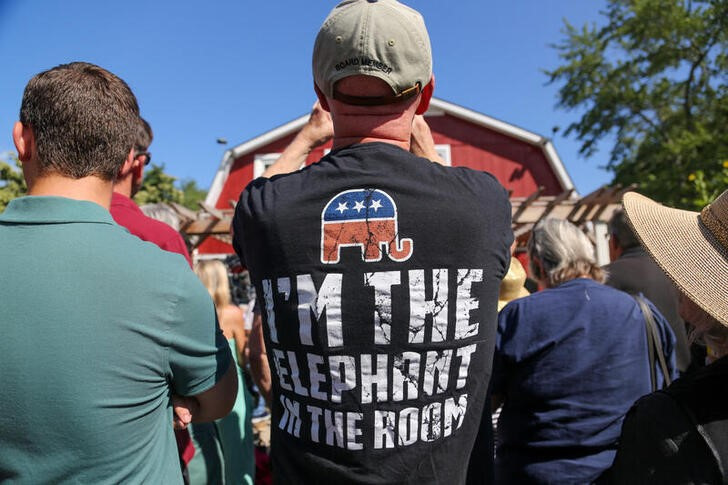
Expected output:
(208, 382)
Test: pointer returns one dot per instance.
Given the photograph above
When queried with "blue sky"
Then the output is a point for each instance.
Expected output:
(236, 69)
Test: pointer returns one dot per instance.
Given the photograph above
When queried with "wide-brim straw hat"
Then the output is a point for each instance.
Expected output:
(511, 286)
(690, 247)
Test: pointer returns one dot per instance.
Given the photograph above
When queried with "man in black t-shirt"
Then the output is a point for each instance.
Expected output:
(377, 273)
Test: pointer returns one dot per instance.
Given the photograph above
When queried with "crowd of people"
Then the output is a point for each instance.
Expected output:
(392, 337)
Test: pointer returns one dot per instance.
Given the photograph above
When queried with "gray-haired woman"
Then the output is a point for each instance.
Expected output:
(570, 360)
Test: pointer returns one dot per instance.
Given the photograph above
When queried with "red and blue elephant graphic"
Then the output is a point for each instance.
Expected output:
(366, 218)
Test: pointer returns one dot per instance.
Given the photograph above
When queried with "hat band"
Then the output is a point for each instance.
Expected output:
(716, 227)
(378, 100)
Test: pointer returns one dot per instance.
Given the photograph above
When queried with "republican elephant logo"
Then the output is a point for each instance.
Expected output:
(366, 218)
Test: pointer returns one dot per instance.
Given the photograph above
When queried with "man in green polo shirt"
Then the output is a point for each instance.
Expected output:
(100, 330)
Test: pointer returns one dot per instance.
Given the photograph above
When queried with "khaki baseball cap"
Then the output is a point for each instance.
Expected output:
(380, 38)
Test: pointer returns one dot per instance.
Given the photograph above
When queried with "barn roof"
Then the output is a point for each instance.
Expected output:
(437, 107)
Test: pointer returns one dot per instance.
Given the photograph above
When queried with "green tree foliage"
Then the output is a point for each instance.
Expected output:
(654, 79)
(192, 195)
(158, 186)
(12, 183)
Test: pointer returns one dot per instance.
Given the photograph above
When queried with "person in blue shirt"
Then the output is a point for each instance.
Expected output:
(570, 361)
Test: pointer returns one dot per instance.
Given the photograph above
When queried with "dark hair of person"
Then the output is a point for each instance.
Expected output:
(144, 135)
(84, 119)
(620, 229)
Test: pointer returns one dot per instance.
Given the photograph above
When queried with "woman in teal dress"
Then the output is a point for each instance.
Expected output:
(234, 430)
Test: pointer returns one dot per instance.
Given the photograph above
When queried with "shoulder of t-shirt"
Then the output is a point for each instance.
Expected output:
(166, 237)
(277, 179)
(479, 176)
(148, 254)
(462, 173)
(255, 187)
(484, 184)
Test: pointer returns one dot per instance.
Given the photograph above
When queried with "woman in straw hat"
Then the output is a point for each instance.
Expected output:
(680, 435)
(570, 361)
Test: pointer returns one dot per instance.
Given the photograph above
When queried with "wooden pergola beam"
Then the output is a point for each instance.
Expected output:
(207, 227)
(524, 205)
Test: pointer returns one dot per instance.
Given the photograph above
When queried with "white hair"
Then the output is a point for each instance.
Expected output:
(564, 251)
(162, 212)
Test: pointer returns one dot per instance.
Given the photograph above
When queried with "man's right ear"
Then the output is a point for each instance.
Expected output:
(322, 98)
(24, 140)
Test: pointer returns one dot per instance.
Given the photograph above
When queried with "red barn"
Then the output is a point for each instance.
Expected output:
(521, 160)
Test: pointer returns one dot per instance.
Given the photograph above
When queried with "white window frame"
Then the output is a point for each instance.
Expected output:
(444, 152)
(263, 161)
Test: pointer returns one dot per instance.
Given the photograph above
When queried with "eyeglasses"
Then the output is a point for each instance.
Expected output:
(147, 157)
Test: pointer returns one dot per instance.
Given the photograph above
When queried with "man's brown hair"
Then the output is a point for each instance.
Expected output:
(84, 119)
(144, 135)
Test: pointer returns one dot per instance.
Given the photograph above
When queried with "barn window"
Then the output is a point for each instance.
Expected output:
(444, 152)
(263, 161)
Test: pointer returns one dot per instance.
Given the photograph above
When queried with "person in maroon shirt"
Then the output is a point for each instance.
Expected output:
(127, 214)
(125, 211)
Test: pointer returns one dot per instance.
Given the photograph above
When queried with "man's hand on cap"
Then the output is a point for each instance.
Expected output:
(319, 129)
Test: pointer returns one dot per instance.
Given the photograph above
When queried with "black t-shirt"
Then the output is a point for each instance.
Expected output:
(377, 273)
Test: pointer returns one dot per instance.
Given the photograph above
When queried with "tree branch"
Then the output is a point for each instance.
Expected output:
(687, 102)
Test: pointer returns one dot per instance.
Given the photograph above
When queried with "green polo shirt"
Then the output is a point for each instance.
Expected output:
(97, 330)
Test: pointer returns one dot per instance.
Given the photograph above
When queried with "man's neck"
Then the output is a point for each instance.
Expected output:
(390, 123)
(123, 186)
(92, 189)
(370, 129)
(346, 141)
